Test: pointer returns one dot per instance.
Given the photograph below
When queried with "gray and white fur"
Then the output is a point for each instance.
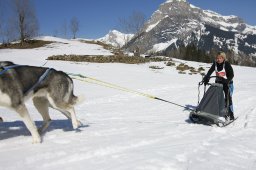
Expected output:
(55, 91)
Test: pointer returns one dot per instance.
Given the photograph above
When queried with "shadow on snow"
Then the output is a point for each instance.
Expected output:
(18, 128)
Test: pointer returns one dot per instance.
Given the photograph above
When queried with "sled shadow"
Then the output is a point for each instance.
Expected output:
(189, 107)
(18, 128)
(189, 121)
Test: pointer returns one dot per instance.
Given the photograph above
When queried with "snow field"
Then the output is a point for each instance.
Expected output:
(124, 131)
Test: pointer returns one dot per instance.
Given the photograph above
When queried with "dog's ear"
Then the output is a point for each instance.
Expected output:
(9, 63)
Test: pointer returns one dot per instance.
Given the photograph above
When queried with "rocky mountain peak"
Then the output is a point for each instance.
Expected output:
(116, 38)
(177, 23)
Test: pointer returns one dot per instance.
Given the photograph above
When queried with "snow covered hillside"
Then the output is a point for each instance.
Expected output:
(59, 47)
(124, 131)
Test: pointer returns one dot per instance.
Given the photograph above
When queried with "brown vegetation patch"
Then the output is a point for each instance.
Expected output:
(104, 59)
(170, 63)
(201, 69)
(26, 45)
(182, 68)
(156, 67)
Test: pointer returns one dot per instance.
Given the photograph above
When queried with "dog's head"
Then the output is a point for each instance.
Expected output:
(6, 63)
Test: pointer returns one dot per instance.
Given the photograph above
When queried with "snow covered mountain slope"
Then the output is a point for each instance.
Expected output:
(177, 24)
(124, 131)
(116, 38)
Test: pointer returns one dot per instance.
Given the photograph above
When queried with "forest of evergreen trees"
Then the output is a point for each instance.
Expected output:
(193, 53)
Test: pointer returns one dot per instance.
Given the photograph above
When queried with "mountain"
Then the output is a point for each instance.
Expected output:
(177, 24)
(116, 38)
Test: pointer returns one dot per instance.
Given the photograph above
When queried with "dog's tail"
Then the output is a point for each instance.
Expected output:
(77, 99)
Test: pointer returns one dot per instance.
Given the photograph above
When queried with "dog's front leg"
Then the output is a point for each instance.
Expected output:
(23, 111)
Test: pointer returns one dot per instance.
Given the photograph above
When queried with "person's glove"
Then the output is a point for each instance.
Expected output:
(206, 80)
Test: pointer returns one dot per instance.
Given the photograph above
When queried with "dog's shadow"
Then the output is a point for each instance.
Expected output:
(18, 128)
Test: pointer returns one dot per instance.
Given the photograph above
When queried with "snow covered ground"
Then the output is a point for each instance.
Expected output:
(124, 131)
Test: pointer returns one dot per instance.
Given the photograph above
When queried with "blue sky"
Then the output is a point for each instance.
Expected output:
(97, 17)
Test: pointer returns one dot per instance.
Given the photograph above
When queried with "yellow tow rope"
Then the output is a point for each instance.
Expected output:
(106, 84)
(83, 78)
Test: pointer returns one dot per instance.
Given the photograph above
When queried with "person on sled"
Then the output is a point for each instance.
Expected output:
(224, 75)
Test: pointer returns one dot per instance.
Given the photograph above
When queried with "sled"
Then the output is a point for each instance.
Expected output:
(212, 108)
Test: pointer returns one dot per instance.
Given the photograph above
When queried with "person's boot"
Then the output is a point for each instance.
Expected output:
(227, 118)
(231, 115)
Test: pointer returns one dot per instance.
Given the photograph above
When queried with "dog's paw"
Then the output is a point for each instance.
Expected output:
(36, 140)
(76, 124)
(43, 128)
(79, 123)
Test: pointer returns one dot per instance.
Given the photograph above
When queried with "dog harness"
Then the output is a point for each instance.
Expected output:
(3, 69)
(42, 77)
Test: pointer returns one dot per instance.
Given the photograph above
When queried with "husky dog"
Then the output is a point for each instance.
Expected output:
(55, 89)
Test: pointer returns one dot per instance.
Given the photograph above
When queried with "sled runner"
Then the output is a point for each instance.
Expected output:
(212, 109)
